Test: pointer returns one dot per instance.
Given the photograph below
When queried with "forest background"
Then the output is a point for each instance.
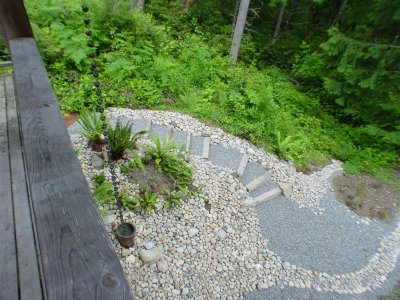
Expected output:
(314, 79)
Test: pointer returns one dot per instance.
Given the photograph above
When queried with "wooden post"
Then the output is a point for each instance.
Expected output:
(14, 22)
(239, 28)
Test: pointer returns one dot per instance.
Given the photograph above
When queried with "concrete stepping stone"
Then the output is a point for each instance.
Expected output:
(243, 164)
(179, 137)
(188, 137)
(251, 172)
(206, 147)
(160, 131)
(225, 157)
(267, 196)
(265, 187)
(258, 181)
(196, 145)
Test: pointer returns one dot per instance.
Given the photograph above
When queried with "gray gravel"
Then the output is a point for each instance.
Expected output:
(196, 145)
(251, 172)
(334, 243)
(306, 294)
(225, 157)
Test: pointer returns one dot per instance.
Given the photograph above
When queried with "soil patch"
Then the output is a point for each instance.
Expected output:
(156, 181)
(368, 196)
(70, 118)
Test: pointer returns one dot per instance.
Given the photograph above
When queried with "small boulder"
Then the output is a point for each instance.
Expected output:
(286, 188)
(162, 266)
(96, 161)
(150, 256)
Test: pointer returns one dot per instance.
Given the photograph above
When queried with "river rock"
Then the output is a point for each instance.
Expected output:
(150, 256)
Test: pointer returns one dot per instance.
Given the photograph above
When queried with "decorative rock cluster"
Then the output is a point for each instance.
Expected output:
(211, 246)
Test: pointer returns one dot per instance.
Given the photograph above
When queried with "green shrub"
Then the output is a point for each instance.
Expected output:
(104, 193)
(147, 200)
(92, 128)
(169, 159)
(121, 139)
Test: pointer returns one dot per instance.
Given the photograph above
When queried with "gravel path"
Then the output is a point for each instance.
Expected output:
(304, 245)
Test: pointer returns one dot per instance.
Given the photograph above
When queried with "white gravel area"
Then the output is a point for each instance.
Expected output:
(195, 252)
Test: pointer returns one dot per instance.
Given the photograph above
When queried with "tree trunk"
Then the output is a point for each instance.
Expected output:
(138, 4)
(278, 24)
(341, 9)
(239, 28)
(188, 4)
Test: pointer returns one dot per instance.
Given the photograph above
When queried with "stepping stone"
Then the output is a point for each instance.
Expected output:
(243, 164)
(267, 196)
(188, 141)
(148, 127)
(169, 131)
(224, 156)
(206, 147)
(265, 187)
(251, 172)
(258, 181)
(179, 137)
(196, 145)
(160, 131)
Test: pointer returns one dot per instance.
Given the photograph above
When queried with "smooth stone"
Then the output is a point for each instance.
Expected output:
(287, 188)
(180, 249)
(162, 266)
(221, 233)
(108, 219)
(149, 245)
(176, 292)
(131, 259)
(150, 256)
(185, 291)
(192, 232)
(96, 161)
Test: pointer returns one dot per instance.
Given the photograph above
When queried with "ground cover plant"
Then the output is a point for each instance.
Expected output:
(306, 107)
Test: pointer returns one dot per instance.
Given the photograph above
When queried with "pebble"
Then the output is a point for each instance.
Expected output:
(192, 232)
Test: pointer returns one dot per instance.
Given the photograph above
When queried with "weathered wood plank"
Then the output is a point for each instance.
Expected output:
(8, 260)
(14, 21)
(28, 266)
(77, 258)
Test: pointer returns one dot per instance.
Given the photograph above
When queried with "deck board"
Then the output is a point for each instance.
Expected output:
(28, 266)
(8, 259)
(77, 258)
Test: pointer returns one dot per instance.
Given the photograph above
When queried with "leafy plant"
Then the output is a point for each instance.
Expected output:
(122, 139)
(99, 179)
(92, 128)
(169, 158)
(136, 162)
(175, 197)
(147, 200)
(104, 193)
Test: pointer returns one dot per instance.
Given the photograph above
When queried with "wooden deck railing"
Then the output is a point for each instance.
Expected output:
(53, 244)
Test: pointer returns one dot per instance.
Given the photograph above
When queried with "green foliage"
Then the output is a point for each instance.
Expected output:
(92, 125)
(337, 97)
(174, 198)
(147, 200)
(104, 193)
(136, 162)
(169, 159)
(99, 179)
(121, 139)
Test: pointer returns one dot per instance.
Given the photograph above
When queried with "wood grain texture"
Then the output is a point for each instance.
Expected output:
(77, 257)
(8, 260)
(28, 266)
(14, 21)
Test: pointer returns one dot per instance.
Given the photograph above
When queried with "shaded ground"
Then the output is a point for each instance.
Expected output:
(70, 118)
(157, 182)
(368, 196)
